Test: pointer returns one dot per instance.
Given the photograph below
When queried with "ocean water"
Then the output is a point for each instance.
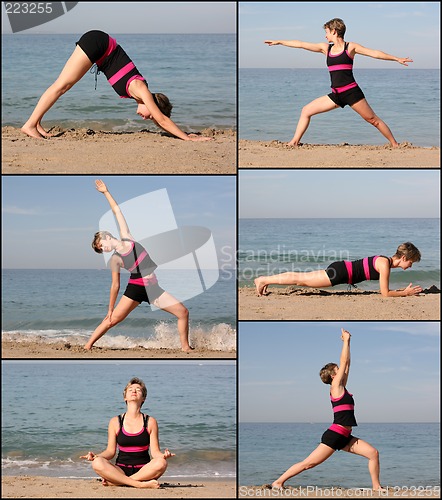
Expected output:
(409, 454)
(54, 412)
(272, 246)
(67, 305)
(408, 100)
(196, 72)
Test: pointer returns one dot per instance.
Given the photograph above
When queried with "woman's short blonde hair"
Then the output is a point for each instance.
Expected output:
(327, 371)
(338, 25)
(138, 381)
(98, 236)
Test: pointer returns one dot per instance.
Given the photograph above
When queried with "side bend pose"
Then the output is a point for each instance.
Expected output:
(338, 436)
(343, 272)
(134, 433)
(97, 47)
(143, 284)
(340, 55)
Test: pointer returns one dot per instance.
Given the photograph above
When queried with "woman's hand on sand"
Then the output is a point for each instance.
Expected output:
(90, 456)
(413, 290)
(271, 42)
(404, 61)
(168, 454)
(195, 138)
(100, 185)
(345, 335)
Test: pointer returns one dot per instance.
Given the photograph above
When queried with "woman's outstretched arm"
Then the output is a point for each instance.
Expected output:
(122, 224)
(377, 54)
(344, 361)
(142, 94)
(298, 44)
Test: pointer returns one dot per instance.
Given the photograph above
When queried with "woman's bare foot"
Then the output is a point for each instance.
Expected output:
(31, 131)
(261, 288)
(153, 483)
(380, 489)
(43, 132)
(188, 349)
(394, 145)
(278, 486)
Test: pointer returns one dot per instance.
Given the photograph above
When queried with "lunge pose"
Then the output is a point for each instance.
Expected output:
(135, 434)
(340, 55)
(377, 267)
(143, 284)
(338, 436)
(97, 47)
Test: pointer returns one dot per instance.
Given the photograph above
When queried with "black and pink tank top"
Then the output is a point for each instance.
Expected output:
(344, 410)
(133, 449)
(340, 67)
(118, 68)
(138, 262)
(363, 269)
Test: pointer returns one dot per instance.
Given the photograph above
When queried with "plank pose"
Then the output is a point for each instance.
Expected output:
(338, 436)
(143, 284)
(345, 91)
(135, 434)
(377, 267)
(97, 47)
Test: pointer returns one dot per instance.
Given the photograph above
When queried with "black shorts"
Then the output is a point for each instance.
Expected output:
(335, 440)
(350, 97)
(141, 293)
(337, 272)
(129, 470)
(94, 44)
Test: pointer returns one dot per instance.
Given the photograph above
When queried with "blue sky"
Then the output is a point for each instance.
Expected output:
(369, 193)
(49, 221)
(394, 374)
(402, 29)
(141, 17)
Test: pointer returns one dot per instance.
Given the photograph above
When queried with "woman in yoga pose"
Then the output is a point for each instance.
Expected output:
(345, 91)
(97, 47)
(338, 436)
(377, 267)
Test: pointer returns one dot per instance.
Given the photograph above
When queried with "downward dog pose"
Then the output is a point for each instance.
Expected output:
(345, 272)
(143, 284)
(135, 434)
(345, 90)
(97, 47)
(338, 436)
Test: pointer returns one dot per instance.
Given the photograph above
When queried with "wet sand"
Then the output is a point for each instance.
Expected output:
(275, 154)
(34, 350)
(293, 303)
(86, 151)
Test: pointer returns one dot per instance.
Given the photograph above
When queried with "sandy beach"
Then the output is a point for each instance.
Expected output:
(59, 350)
(293, 303)
(265, 491)
(86, 151)
(49, 487)
(275, 154)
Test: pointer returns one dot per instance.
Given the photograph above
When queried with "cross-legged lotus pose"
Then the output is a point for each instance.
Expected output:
(343, 272)
(134, 433)
(97, 47)
(143, 284)
(340, 55)
(338, 436)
